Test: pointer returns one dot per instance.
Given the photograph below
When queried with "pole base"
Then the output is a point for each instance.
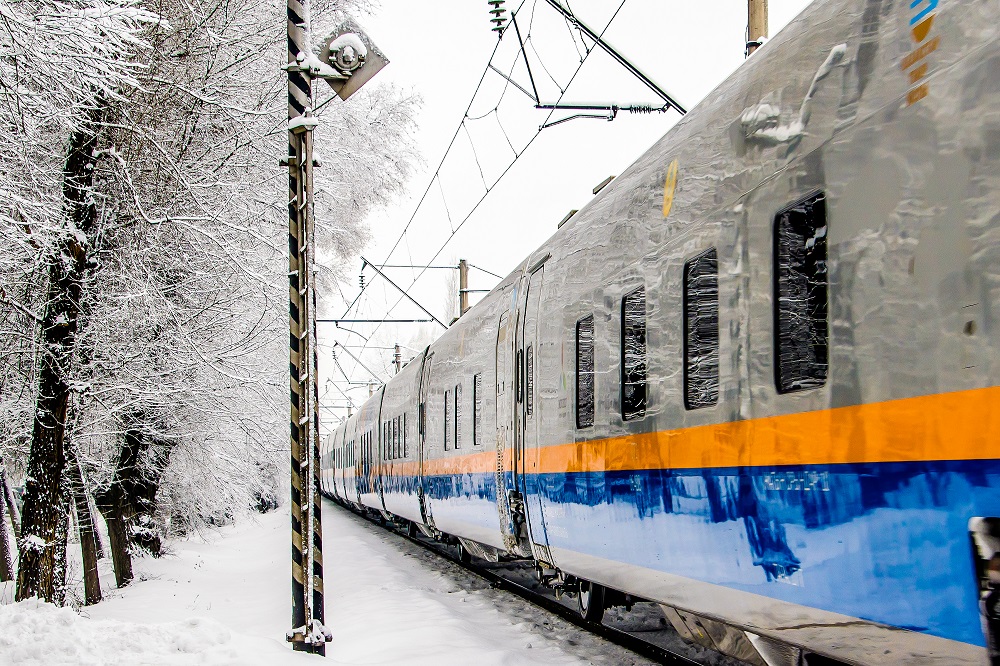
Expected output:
(313, 634)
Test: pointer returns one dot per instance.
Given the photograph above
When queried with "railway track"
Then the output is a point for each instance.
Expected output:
(643, 630)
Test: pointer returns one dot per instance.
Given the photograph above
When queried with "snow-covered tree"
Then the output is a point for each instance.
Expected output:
(147, 291)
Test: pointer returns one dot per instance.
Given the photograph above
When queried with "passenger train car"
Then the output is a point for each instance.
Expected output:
(757, 378)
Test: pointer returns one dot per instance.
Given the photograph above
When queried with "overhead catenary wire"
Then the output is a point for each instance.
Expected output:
(478, 202)
(440, 164)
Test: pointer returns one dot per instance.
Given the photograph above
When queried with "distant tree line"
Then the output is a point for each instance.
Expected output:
(143, 286)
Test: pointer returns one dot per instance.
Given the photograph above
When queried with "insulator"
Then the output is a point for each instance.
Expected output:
(498, 19)
(361, 280)
(642, 108)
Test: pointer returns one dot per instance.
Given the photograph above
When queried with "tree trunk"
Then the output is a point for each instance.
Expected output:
(6, 549)
(117, 506)
(62, 537)
(98, 537)
(88, 531)
(44, 509)
(119, 519)
(8, 497)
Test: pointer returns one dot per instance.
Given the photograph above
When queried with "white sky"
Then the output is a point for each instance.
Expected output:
(439, 50)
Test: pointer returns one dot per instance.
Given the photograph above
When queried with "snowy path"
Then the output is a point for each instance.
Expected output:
(225, 600)
(430, 611)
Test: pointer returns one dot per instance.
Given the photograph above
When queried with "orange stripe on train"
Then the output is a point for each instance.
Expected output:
(964, 425)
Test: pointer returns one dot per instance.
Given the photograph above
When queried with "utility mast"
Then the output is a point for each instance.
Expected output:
(756, 24)
(463, 286)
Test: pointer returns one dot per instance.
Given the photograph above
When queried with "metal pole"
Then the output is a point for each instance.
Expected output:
(308, 633)
(463, 286)
(756, 24)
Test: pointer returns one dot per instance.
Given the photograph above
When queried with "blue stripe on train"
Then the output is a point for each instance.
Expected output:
(886, 542)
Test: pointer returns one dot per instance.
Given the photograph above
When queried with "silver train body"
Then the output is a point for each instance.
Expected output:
(757, 378)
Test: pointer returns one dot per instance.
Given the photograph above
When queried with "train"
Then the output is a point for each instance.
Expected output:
(756, 379)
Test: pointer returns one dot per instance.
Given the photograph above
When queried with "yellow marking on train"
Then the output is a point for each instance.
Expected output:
(921, 30)
(669, 185)
(920, 53)
(918, 73)
(916, 94)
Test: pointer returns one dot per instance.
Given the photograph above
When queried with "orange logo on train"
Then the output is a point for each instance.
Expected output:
(915, 64)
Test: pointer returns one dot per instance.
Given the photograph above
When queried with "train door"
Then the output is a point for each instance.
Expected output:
(422, 394)
(530, 480)
(509, 503)
(381, 467)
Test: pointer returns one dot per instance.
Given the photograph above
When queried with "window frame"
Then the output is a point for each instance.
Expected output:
(447, 418)
(636, 415)
(691, 263)
(529, 379)
(477, 409)
(457, 410)
(591, 374)
(815, 201)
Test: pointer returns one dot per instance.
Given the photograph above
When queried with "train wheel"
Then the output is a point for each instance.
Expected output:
(464, 556)
(411, 529)
(590, 601)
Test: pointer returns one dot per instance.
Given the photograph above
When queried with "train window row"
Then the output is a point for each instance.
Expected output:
(367, 450)
(801, 328)
(344, 456)
(394, 444)
(453, 414)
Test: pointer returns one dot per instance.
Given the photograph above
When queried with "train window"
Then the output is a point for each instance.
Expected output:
(634, 355)
(701, 330)
(398, 436)
(800, 295)
(501, 356)
(529, 381)
(585, 372)
(402, 434)
(458, 416)
(447, 419)
(477, 409)
(520, 375)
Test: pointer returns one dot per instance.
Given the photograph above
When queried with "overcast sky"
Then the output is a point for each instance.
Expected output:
(440, 50)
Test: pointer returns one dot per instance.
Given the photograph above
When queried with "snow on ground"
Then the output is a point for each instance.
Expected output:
(223, 598)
